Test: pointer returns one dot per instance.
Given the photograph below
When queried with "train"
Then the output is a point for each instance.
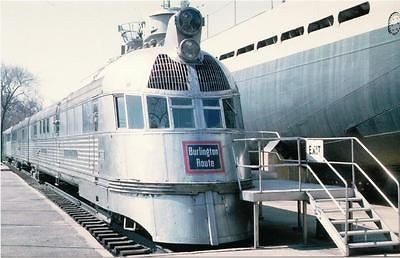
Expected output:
(148, 138)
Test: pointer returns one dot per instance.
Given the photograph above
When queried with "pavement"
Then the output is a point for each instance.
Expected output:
(32, 226)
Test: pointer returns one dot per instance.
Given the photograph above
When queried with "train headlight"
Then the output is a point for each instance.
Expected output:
(189, 21)
(189, 49)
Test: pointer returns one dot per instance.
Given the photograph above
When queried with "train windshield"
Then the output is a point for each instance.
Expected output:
(158, 112)
(212, 113)
(178, 112)
(233, 116)
(182, 112)
(134, 112)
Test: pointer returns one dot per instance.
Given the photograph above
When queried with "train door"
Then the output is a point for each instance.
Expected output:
(93, 140)
(56, 124)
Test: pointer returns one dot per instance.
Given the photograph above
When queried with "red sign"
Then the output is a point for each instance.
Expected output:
(203, 157)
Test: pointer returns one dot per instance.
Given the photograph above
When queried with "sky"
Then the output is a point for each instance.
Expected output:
(63, 42)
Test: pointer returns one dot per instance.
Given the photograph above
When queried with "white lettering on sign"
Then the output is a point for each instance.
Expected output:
(203, 157)
(315, 150)
(199, 151)
(205, 163)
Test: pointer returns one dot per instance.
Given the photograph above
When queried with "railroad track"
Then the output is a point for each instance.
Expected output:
(98, 225)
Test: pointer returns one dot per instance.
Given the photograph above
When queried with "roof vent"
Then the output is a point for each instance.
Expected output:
(168, 74)
(211, 76)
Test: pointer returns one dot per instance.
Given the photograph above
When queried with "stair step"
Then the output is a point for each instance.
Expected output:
(365, 232)
(350, 209)
(342, 221)
(337, 193)
(373, 244)
(350, 199)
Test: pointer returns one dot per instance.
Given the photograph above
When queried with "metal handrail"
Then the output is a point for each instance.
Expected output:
(299, 162)
(346, 217)
(253, 139)
(376, 187)
(369, 179)
(265, 132)
(388, 173)
(384, 196)
(379, 163)
(324, 187)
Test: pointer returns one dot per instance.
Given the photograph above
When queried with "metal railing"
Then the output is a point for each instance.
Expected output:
(261, 167)
(377, 161)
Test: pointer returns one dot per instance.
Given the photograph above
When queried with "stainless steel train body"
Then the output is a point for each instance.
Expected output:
(148, 138)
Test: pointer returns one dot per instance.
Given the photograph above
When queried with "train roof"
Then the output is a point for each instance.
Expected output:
(131, 72)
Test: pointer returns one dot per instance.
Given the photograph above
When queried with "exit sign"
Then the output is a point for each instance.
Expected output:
(315, 150)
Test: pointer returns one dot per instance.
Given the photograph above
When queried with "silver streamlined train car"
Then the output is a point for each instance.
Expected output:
(149, 138)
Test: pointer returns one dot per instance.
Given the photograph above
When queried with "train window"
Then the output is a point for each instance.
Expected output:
(40, 127)
(227, 55)
(320, 24)
(231, 116)
(63, 123)
(95, 115)
(71, 154)
(158, 112)
(212, 113)
(57, 124)
(71, 122)
(121, 115)
(44, 126)
(86, 117)
(292, 33)
(267, 42)
(182, 111)
(48, 125)
(135, 112)
(354, 12)
(89, 112)
(14, 135)
(211, 102)
(78, 119)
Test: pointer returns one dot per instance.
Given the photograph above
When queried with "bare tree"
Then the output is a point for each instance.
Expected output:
(18, 99)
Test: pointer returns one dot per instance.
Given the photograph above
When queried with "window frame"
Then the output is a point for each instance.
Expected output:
(171, 107)
(143, 116)
(320, 25)
(267, 42)
(116, 111)
(219, 107)
(287, 35)
(169, 113)
(343, 15)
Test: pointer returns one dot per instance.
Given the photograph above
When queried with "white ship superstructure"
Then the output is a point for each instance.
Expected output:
(320, 68)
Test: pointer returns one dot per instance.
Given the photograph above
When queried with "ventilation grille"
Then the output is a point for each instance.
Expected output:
(211, 76)
(168, 74)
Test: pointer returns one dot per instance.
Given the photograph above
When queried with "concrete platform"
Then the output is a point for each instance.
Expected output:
(32, 226)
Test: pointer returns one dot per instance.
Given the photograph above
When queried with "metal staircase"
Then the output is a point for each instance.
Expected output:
(365, 228)
(348, 218)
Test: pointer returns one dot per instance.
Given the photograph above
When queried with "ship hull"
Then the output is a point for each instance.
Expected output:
(349, 87)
